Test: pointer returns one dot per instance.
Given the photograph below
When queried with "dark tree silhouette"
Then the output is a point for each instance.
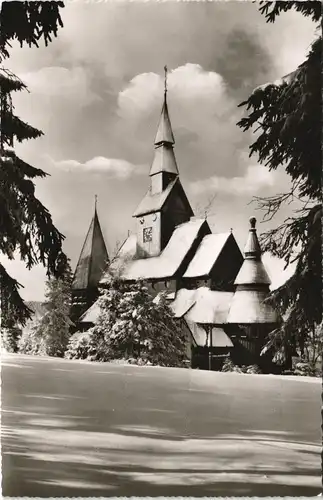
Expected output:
(26, 227)
(287, 117)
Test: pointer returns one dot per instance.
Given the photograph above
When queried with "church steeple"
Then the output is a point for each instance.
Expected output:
(165, 205)
(164, 162)
(93, 258)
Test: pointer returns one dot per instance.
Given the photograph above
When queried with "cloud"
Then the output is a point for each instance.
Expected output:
(256, 179)
(193, 92)
(98, 96)
(72, 84)
(115, 167)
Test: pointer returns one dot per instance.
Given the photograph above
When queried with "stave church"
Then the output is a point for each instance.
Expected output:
(217, 292)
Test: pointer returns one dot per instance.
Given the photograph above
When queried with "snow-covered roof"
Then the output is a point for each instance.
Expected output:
(218, 336)
(170, 259)
(202, 305)
(249, 306)
(206, 255)
(154, 202)
(183, 301)
(252, 272)
(91, 315)
(211, 306)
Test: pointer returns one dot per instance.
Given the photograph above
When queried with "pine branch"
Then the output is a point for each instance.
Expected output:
(13, 309)
(28, 22)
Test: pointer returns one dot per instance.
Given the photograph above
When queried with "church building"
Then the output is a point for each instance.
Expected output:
(216, 292)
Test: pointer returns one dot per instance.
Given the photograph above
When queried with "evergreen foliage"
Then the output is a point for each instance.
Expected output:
(287, 115)
(26, 226)
(133, 326)
(51, 333)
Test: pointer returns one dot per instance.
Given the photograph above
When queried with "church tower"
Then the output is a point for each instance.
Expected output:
(165, 205)
(90, 267)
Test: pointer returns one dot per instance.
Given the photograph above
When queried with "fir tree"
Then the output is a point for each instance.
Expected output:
(134, 326)
(26, 227)
(51, 334)
(288, 119)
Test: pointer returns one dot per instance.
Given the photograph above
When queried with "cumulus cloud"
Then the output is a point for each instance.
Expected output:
(72, 84)
(192, 91)
(114, 167)
(255, 179)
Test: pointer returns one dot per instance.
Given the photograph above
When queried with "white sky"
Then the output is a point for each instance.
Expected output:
(96, 92)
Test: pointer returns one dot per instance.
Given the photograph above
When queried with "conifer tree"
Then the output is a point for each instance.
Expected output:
(287, 115)
(132, 325)
(26, 227)
(51, 334)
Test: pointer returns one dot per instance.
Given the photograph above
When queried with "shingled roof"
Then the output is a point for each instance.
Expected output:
(93, 259)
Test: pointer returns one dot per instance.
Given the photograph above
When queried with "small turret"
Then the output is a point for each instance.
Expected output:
(252, 286)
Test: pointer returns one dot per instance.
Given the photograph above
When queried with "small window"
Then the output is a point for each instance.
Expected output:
(147, 234)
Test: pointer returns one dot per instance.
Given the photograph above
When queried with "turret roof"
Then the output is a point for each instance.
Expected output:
(93, 258)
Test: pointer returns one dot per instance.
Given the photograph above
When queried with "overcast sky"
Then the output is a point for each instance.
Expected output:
(96, 92)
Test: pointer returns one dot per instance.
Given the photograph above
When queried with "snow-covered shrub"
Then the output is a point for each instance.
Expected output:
(85, 345)
(31, 341)
(229, 366)
(132, 326)
(10, 338)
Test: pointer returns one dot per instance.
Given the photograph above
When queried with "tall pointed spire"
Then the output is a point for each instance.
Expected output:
(164, 159)
(93, 258)
(164, 131)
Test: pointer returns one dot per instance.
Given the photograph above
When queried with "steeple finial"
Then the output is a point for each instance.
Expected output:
(252, 249)
(165, 80)
(95, 201)
(253, 221)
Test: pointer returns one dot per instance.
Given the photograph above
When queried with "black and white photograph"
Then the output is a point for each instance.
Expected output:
(161, 248)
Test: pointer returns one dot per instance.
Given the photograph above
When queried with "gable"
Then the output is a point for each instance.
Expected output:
(177, 201)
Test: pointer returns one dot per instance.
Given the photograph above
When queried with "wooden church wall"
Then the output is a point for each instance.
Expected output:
(149, 235)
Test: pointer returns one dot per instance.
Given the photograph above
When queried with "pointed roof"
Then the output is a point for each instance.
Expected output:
(154, 202)
(164, 131)
(206, 255)
(252, 248)
(252, 271)
(93, 258)
(249, 304)
(164, 159)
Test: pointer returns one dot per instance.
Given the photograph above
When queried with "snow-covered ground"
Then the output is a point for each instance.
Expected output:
(75, 428)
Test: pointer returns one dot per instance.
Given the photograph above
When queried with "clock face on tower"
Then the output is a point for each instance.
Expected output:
(147, 234)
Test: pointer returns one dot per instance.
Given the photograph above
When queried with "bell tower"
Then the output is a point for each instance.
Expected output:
(165, 205)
